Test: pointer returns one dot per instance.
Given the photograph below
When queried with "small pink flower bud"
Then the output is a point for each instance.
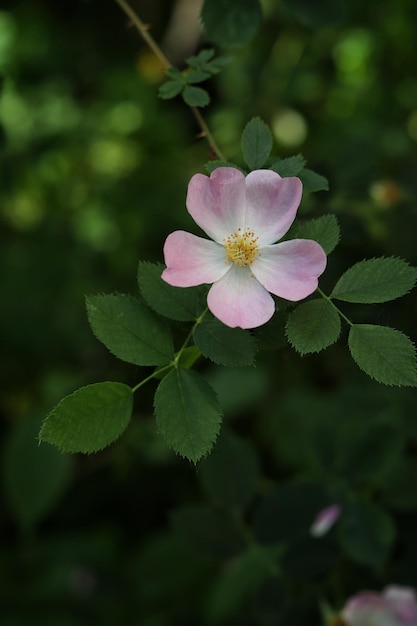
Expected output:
(325, 520)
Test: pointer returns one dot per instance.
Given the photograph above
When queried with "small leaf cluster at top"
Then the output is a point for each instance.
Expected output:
(200, 67)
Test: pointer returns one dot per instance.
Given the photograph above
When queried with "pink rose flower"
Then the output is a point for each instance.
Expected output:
(244, 216)
(395, 606)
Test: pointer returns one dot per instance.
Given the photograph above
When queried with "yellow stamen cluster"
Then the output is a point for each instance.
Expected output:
(242, 247)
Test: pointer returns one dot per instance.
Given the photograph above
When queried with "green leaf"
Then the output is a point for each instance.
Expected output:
(213, 164)
(202, 57)
(205, 62)
(231, 22)
(325, 230)
(230, 475)
(367, 533)
(383, 353)
(188, 357)
(195, 96)
(215, 66)
(375, 280)
(232, 347)
(188, 413)
(170, 89)
(196, 76)
(89, 419)
(175, 74)
(130, 330)
(271, 336)
(313, 182)
(256, 143)
(313, 326)
(176, 303)
(34, 476)
(289, 167)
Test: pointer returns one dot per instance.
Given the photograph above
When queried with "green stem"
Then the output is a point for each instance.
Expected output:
(146, 36)
(153, 375)
(207, 134)
(342, 315)
(150, 41)
(187, 340)
(177, 356)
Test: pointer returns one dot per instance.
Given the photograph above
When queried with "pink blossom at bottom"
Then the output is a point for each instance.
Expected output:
(395, 606)
(244, 217)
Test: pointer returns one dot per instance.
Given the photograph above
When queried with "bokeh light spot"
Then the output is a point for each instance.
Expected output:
(289, 128)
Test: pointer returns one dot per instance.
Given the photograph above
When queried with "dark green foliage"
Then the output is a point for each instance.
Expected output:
(129, 329)
(317, 13)
(375, 280)
(206, 63)
(313, 182)
(287, 513)
(173, 302)
(385, 354)
(188, 413)
(201, 67)
(367, 533)
(231, 474)
(210, 532)
(289, 167)
(313, 326)
(232, 347)
(94, 171)
(231, 22)
(325, 230)
(195, 96)
(256, 143)
(33, 487)
(89, 419)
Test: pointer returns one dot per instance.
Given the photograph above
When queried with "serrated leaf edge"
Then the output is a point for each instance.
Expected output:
(301, 352)
(70, 395)
(194, 459)
(362, 262)
(151, 306)
(383, 382)
(247, 364)
(150, 345)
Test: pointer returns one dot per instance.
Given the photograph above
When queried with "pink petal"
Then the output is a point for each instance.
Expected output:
(192, 260)
(396, 606)
(290, 269)
(325, 520)
(366, 606)
(403, 602)
(271, 204)
(217, 204)
(238, 299)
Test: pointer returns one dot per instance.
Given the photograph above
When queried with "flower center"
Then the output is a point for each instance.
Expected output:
(242, 247)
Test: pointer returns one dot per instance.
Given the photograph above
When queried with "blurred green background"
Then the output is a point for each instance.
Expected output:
(93, 175)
